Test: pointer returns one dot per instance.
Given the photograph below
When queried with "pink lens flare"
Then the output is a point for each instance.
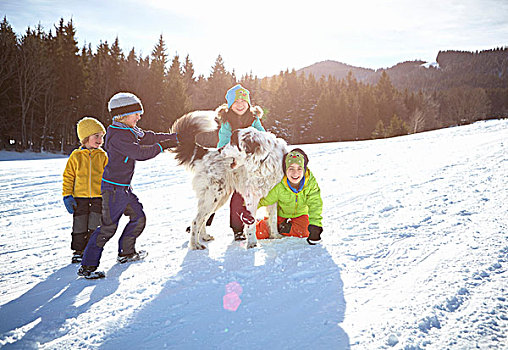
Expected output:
(234, 287)
(231, 301)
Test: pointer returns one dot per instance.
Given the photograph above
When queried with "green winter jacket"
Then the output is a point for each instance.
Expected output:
(291, 205)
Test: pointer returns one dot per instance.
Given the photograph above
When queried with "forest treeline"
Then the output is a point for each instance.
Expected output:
(47, 83)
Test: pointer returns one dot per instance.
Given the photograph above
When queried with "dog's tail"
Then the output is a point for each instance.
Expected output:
(187, 128)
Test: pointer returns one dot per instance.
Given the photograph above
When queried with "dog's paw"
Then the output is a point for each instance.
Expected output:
(252, 245)
(207, 238)
(197, 246)
(275, 236)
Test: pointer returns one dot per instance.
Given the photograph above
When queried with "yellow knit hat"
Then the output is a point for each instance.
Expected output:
(89, 126)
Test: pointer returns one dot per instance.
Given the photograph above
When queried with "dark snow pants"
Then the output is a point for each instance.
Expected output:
(116, 201)
(86, 218)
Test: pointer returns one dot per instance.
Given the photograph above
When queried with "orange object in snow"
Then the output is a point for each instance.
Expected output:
(299, 227)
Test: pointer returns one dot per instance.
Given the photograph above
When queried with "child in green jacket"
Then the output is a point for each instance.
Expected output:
(299, 203)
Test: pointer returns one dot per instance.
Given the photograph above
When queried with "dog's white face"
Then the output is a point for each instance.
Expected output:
(244, 143)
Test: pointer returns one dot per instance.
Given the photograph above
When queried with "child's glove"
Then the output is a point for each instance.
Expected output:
(169, 143)
(314, 234)
(70, 203)
(246, 217)
(285, 226)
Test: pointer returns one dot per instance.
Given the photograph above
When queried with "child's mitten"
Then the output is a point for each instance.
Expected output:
(246, 217)
(285, 226)
(314, 234)
(70, 203)
(169, 143)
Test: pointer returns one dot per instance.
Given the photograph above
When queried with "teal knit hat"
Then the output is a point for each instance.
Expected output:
(237, 92)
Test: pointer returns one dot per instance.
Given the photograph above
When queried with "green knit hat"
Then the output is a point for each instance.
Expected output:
(296, 156)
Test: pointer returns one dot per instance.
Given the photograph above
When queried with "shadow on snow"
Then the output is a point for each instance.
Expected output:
(39, 315)
(286, 302)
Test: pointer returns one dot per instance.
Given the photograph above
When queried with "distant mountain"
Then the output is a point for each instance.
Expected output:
(482, 69)
(338, 70)
(341, 70)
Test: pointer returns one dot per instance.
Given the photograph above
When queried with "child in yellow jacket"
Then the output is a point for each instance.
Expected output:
(82, 184)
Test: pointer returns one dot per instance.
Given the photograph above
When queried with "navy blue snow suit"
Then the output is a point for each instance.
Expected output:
(124, 146)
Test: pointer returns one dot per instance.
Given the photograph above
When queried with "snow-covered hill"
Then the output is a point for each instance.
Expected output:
(415, 255)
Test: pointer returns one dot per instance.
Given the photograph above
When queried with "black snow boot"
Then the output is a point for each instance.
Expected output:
(122, 259)
(239, 236)
(77, 256)
(90, 272)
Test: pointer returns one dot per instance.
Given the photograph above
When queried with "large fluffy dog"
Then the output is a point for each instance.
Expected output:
(251, 164)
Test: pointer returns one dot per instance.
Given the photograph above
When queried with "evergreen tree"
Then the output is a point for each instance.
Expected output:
(397, 127)
(368, 115)
(379, 131)
(280, 107)
(67, 85)
(85, 62)
(134, 75)
(33, 76)
(385, 98)
(460, 106)
(189, 79)
(199, 96)
(307, 107)
(155, 93)
(177, 100)
(8, 90)
(219, 82)
(325, 125)
(290, 107)
(47, 84)
(104, 79)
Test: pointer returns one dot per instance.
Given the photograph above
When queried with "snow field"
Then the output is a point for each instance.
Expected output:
(414, 256)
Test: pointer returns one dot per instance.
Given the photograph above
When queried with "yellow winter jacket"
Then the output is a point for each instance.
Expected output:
(83, 173)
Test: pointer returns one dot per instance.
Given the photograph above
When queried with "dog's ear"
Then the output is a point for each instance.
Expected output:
(234, 139)
(250, 143)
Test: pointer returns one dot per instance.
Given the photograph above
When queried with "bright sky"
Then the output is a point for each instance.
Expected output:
(267, 36)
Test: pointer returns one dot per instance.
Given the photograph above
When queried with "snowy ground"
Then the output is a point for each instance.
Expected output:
(415, 255)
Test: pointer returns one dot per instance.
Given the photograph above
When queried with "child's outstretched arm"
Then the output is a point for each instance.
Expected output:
(151, 137)
(270, 198)
(133, 150)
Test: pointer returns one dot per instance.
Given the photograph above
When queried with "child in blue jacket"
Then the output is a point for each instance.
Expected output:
(125, 144)
(237, 113)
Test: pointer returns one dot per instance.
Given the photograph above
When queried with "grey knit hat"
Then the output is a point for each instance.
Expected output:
(124, 103)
